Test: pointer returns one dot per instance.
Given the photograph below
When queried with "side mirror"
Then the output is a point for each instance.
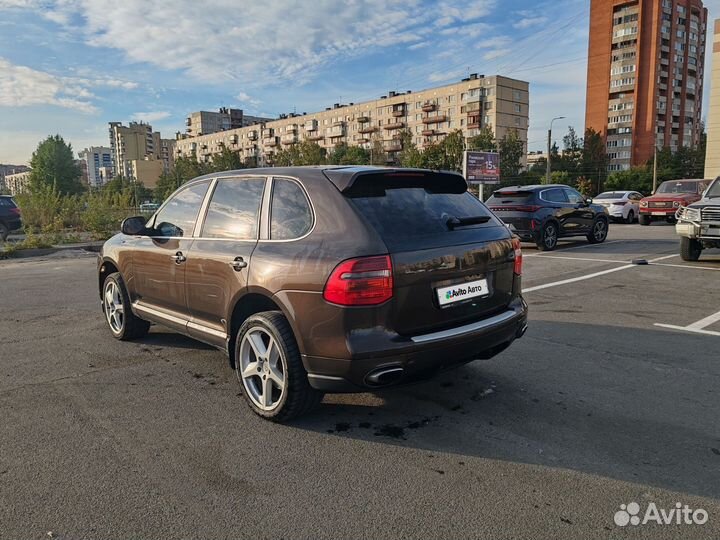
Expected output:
(588, 201)
(133, 226)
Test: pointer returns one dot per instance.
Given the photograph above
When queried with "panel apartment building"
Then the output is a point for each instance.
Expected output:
(207, 122)
(137, 142)
(96, 161)
(645, 76)
(468, 105)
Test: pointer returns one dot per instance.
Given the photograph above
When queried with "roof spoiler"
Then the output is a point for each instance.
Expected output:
(345, 178)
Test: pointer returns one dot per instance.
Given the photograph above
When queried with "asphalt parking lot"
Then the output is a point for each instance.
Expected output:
(597, 406)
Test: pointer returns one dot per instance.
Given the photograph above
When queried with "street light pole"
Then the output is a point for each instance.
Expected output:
(549, 148)
(655, 169)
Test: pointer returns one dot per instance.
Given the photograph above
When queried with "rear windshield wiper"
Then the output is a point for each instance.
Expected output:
(454, 222)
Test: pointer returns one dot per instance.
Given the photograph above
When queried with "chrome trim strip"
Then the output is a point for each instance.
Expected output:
(159, 314)
(324, 377)
(205, 330)
(466, 329)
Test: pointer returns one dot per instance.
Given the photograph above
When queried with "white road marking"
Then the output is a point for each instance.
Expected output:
(717, 268)
(590, 276)
(697, 327)
(576, 259)
(590, 245)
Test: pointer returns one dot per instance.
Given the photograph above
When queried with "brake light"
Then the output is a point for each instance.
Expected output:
(517, 268)
(516, 208)
(15, 210)
(365, 281)
(619, 203)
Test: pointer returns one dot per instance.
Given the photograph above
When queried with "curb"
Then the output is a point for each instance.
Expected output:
(92, 247)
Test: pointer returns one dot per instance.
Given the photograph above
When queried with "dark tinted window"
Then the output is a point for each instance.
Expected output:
(510, 197)
(413, 212)
(234, 209)
(7, 202)
(556, 195)
(611, 195)
(573, 196)
(178, 216)
(291, 216)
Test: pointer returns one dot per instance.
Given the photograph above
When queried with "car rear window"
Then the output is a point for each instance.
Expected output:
(7, 202)
(610, 195)
(500, 198)
(402, 209)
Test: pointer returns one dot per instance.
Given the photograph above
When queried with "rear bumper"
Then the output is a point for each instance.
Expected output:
(13, 224)
(421, 356)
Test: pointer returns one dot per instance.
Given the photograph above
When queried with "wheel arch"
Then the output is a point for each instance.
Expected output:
(255, 300)
(106, 267)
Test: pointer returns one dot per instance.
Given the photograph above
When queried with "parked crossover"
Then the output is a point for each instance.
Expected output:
(320, 279)
(543, 214)
(9, 217)
(621, 205)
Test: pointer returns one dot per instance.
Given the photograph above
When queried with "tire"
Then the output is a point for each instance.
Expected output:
(122, 322)
(644, 220)
(690, 249)
(671, 220)
(598, 233)
(630, 217)
(270, 372)
(548, 237)
(4, 232)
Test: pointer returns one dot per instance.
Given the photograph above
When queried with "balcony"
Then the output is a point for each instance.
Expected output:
(311, 125)
(337, 132)
(428, 132)
(268, 132)
(368, 129)
(252, 135)
(429, 107)
(289, 139)
(434, 119)
(395, 146)
(363, 119)
(395, 125)
(188, 122)
(397, 113)
(473, 125)
(315, 137)
(270, 141)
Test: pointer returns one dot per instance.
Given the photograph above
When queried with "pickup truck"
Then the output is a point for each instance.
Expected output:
(670, 196)
(698, 224)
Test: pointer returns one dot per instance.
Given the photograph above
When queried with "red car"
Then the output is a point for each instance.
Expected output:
(670, 196)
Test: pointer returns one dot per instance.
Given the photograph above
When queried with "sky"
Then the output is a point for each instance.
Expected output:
(72, 66)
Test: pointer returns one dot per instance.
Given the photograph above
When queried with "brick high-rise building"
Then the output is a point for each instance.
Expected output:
(645, 75)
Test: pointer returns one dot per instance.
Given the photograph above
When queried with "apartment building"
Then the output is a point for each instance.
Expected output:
(712, 155)
(17, 182)
(95, 161)
(135, 141)
(645, 76)
(207, 122)
(468, 105)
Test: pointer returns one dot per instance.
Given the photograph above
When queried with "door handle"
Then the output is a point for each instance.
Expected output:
(238, 264)
(179, 257)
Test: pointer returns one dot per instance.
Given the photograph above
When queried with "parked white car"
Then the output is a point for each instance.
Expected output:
(621, 205)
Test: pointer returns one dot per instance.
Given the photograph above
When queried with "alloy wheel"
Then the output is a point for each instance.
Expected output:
(261, 368)
(550, 238)
(600, 231)
(114, 309)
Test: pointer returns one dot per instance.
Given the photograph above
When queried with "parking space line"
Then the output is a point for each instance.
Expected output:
(590, 276)
(560, 248)
(717, 269)
(576, 259)
(697, 327)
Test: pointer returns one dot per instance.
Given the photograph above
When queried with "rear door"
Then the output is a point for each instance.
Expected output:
(218, 264)
(582, 214)
(445, 272)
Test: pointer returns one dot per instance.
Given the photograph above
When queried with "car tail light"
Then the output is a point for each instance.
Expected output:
(15, 211)
(517, 268)
(619, 203)
(366, 281)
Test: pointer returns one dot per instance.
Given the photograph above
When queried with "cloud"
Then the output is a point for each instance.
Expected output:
(21, 86)
(495, 54)
(529, 22)
(150, 116)
(246, 99)
(494, 43)
(260, 42)
(446, 76)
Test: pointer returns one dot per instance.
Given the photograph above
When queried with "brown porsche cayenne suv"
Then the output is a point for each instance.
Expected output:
(320, 279)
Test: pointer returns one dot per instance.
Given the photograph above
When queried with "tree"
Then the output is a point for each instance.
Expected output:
(411, 156)
(53, 164)
(302, 153)
(343, 154)
(634, 179)
(454, 146)
(594, 158)
(483, 141)
(186, 168)
(227, 160)
(512, 150)
(377, 152)
(571, 159)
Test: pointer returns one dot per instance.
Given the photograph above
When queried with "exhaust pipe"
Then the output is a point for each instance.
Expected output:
(384, 376)
(522, 331)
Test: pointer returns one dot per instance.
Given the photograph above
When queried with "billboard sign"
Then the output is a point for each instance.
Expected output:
(482, 167)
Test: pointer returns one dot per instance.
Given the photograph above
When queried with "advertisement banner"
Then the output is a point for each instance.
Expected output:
(482, 167)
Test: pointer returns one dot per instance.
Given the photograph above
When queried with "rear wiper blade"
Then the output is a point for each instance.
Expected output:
(454, 222)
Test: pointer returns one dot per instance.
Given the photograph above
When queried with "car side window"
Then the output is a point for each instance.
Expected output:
(178, 216)
(574, 197)
(556, 195)
(234, 209)
(290, 214)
